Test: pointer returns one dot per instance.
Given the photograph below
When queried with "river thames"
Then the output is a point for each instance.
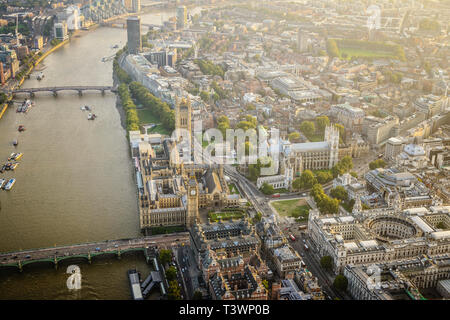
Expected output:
(75, 182)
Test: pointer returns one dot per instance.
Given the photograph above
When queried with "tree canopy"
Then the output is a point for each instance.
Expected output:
(174, 292)
(379, 163)
(326, 262)
(294, 136)
(171, 273)
(156, 105)
(307, 127)
(339, 193)
(322, 122)
(306, 180)
(340, 282)
(326, 204)
(267, 188)
(165, 256)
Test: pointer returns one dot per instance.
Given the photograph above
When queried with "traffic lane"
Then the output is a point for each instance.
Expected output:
(185, 271)
(312, 259)
(81, 249)
(179, 273)
(311, 266)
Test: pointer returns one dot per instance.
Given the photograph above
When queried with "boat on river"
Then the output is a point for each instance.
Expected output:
(25, 106)
(9, 184)
(2, 182)
(15, 156)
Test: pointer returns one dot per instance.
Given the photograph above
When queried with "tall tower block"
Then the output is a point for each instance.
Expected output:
(332, 137)
(134, 35)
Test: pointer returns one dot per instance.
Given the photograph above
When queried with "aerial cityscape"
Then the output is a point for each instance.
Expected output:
(224, 150)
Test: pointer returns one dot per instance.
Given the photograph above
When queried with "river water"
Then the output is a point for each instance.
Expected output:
(75, 181)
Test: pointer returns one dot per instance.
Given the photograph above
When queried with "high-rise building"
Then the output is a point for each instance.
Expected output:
(38, 42)
(60, 31)
(163, 57)
(136, 5)
(393, 148)
(181, 17)
(302, 41)
(134, 35)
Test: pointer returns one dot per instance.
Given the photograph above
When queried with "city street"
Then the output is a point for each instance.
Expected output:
(188, 270)
(312, 261)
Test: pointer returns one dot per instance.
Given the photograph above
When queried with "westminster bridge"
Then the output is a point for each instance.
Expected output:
(88, 251)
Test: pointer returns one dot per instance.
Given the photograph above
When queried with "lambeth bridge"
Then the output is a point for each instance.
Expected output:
(55, 90)
(88, 251)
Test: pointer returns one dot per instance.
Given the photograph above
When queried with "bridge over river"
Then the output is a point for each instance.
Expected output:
(90, 250)
(55, 90)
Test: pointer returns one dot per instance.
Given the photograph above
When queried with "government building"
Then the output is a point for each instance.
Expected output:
(377, 236)
(171, 193)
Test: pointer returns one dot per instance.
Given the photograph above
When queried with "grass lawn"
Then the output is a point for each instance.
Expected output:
(159, 129)
(233, 188)
(363, 53)
(226, 215)
(316, 137)
(297, 208)
(147, 117)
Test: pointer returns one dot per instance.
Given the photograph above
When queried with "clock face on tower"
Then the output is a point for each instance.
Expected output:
(192, 192)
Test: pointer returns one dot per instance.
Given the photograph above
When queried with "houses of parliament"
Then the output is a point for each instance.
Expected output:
(172, 192)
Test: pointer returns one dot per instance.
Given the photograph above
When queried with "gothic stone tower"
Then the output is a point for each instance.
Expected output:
(183, 114)
(192, 201)
(332, 137)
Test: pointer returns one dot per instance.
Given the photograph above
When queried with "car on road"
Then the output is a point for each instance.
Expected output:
(97, 249)
(116, 246)
(27, 256)
(15, 257)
